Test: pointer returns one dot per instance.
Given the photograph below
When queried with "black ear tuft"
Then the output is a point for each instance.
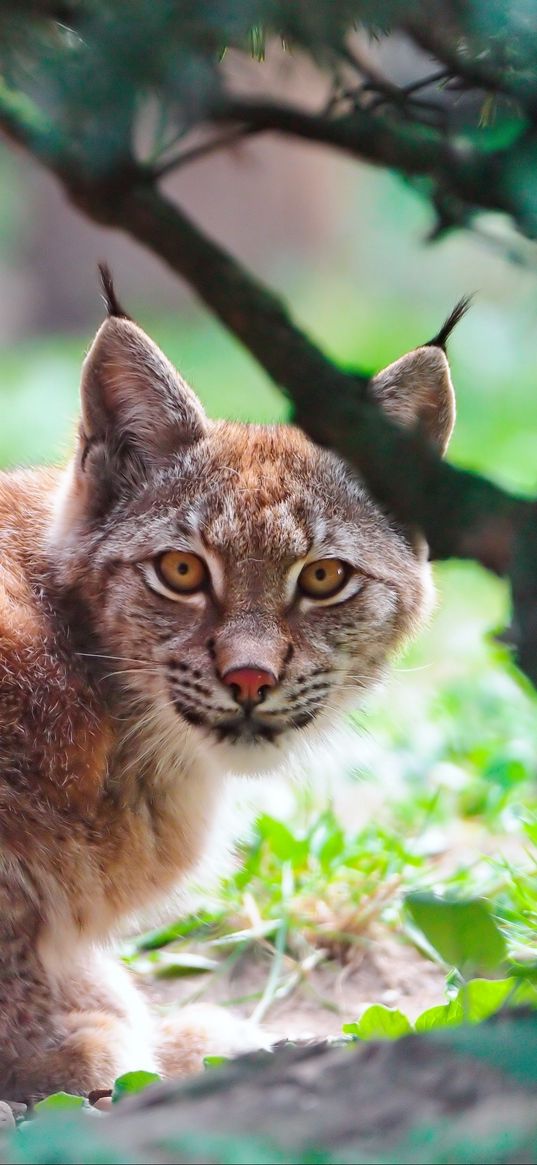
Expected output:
(113, 305)
(442, 337)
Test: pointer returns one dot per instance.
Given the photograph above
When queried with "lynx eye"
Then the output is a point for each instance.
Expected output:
(182, 572)
(322, 579)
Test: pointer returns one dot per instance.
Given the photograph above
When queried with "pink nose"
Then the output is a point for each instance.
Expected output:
(249, 684)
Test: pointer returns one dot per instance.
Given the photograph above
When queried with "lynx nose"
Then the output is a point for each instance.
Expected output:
(249, 684)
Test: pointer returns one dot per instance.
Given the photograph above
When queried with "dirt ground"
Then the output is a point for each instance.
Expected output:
(387, 971)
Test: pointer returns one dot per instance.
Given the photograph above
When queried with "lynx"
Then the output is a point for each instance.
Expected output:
(187, 599)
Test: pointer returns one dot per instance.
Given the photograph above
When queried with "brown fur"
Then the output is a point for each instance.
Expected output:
(116, 730)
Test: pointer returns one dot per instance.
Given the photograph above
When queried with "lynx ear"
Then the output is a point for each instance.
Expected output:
(136, 410)
(132, 398)
(417, 390)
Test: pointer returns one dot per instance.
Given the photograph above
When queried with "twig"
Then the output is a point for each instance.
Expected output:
(359, 59)
(465, 170)
(196, 153)
(405, 96)
(275, 971)
(425, 82)
(280, 942)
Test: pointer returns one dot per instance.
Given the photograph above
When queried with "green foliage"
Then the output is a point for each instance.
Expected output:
(132, 1082)
(379, 1023)
(215, 1061)
(97, 73)
(61, 1139)
(509, 1048)
(63, 1100)
(193, 927)
(305, 891)
(183, 964)
(86, 81)
(474, 1002)
(463, 932)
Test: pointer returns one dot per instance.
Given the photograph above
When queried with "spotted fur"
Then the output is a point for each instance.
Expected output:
(116, 730)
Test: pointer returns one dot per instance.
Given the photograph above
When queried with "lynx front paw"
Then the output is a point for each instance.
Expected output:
(205, 1030)
(93, 1049)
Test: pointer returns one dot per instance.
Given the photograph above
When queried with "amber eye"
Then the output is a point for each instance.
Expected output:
(182, 572)
(322, 579)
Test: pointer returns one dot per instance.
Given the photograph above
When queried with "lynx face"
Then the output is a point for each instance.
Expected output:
(238, 582)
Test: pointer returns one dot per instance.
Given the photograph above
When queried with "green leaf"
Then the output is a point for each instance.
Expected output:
(282, 842)
(326, 840)
(379, 1023)
(444, 1015)
(257, 42)
(483, 997)
(132, 1082)
(215, 1061)
(176, 966)
(487, 112)
(248, 935)
(57, 1100)
(524, 970)
(187, 928)
(476, 1001)
(463, 933)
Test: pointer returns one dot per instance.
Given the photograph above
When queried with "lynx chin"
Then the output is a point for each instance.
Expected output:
(187, 598)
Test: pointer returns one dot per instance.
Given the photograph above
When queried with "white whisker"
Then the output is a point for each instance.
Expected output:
(134, 671)
(119, 658)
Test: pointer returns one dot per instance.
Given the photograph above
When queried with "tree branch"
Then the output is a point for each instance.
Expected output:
(472, 174)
